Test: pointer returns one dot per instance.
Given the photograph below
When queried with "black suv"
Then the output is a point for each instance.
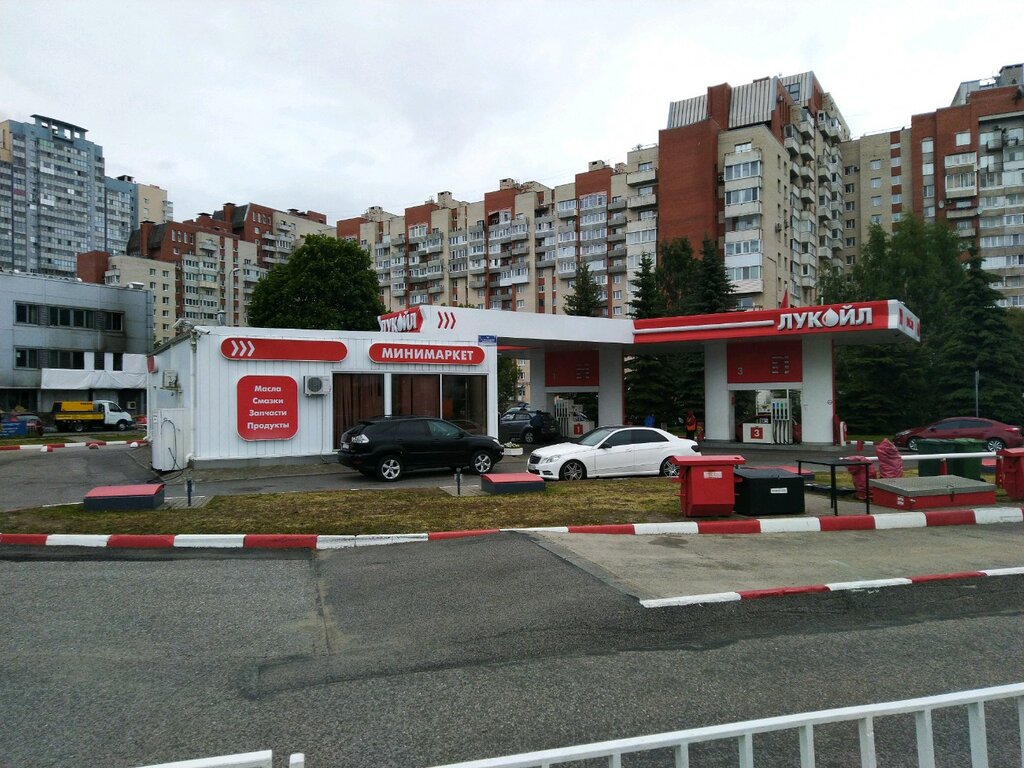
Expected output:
(526, 426)
(390, 445)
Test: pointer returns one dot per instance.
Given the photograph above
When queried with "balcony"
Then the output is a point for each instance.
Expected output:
(961, 192)
(433, 246)
(642, 201)
(545, 259)
(616, 237)
(209, 245)
(805, 172)
(478, 282)
(566, 213)
(961, 213)
(567, 267)
(805, 126)
(435, 289)
(616, 220)
(285, 226)
(616, 205)
(616, 267)
(743, 209)
(792, 145)
(476, 235)
(806, 151)
(522, 249)
(968, 232)
(398, 240)
(636, 178)
(520, 232)
(543, 222)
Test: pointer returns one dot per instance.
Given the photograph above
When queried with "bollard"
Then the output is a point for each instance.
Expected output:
(188, 490)
(458, 481)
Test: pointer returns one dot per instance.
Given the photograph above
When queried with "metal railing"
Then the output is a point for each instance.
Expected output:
(743, 733)
(263, 759)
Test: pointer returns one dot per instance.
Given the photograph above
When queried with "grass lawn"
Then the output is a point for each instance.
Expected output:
(362, 512)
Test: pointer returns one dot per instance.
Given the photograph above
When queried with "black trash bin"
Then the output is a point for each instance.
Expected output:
(768, 492)
(928, 445)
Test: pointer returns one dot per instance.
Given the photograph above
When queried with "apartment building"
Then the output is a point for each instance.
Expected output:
(148, 203)
(157, 277)
(877, 189)
(275, 233)
(962, 164)
(215, 270)
(756, 168)
(55, 200)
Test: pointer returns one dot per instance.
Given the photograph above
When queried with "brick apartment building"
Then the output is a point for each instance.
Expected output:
(756, 168)
(963, 164)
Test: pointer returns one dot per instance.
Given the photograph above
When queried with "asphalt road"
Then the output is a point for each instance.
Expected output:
(420, 654)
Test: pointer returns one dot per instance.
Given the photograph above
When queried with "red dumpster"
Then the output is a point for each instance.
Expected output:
(1010, 472)
(707, 484)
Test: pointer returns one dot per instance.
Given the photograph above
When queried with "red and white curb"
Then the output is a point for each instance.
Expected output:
(839, 586)
(928, 519)
(51, 447)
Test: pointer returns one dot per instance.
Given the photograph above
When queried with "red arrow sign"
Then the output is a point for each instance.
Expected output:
(445, 320)
(240, 348)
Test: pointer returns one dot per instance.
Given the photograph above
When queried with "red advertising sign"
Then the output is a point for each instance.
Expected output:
(572, 368)
(403, 321)
(268, 408)
(426, 354)
(315, 350)
(765, 362)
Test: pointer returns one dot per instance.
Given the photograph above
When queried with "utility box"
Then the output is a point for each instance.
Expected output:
(1010, 472)
(707, 484)
(768, 492)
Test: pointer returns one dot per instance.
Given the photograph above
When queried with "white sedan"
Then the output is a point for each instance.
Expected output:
(609, 451)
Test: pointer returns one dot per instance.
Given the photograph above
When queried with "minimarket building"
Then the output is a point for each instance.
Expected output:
(227, 395)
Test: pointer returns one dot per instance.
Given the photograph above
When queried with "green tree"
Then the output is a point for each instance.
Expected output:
(508, 383)
(883, 388)
(326, 284)
(647, 388)
(585, 300)
(712, 290)
(675, 276)
(977, 341)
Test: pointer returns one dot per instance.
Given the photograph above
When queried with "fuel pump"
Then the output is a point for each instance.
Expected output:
(782, 420)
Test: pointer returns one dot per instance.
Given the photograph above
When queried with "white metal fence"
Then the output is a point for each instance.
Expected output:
(264, 759)
(803, 724)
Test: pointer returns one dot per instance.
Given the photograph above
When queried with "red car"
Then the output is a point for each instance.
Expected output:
(995, 434)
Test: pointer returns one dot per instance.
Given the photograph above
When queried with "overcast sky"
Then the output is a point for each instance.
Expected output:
(337, 106)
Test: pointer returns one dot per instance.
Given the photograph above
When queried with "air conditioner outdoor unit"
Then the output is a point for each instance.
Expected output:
(316, 385)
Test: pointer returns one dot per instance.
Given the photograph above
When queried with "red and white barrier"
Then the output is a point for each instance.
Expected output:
(90, 444)
(889, 521)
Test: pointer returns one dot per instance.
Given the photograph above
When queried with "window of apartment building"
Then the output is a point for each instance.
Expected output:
(876, 165)
(927, 146)
(851, 223)
(897, 217)
(644, 191)
(876, 183)
(896, 180)
(566, 205)
(895, 162)
(520, 303)
(894, 144)
(648, 166)
(616, 295)
(743, 170)
(876, 219)
(897, 198)
(929, 211)
(598, 200)
(851, 242)
(741, 247)
(928, 190)
(850, 205)
(960, 180)
(26, 358)
(418, 230)
(641, 236)
(849, 170)
(963, 138)
(616, 279)
(927, 169)
(648, 214)
(876, 201)
(849, 189)
(98, 361)
(744, 147)
(739, 196)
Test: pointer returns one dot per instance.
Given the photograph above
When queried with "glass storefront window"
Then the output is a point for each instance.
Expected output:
(465, 402)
